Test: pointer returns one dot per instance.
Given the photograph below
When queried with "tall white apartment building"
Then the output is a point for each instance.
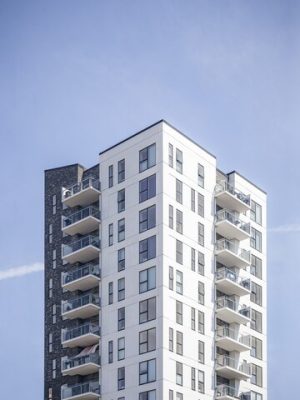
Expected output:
(159, 281)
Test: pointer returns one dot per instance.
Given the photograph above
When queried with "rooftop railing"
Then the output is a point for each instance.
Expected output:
(79, 389)
(89, 240)
(225, 244)
(69, 305)
(73, 333)
(225, 215)
(224, 186)
(79, 186)
(80, 272)
(81, 214)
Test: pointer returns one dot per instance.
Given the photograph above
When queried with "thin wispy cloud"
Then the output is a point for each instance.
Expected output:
(17, 272)
(289, 228)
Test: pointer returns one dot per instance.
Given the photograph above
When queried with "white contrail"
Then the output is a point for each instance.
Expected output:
(291, 228)
(16, 272)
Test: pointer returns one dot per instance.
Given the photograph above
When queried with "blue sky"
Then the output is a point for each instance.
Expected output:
(77, 76)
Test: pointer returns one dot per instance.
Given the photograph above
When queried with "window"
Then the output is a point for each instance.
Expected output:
(201, 322)
(200, 205)
(256, 320)
(179, 221)
(201, 263)
(179, 316)
(147, 341)
(179, 373)
(200, 381)
(121, 230)
(50, 293)
(179, 252)
(171, 217)
(256, 293)
(54, 204)
(54, 314)
(147, 188)
(110, 352)
(193, 378)
(256, 212)
(179, 282)
(200, 234)
(50, 342)
(54, 369)
(121, 170)
(179, 161)
(121, 348)
(110, 234)
(147, 157)
(147, 310)
(147, 371)
(179, 396)
(256, 347)
(201, 175)
(54, 258)
(256, 240)
(110, 176)
(179, 343)
(121, 378)
(255, 396)
(147, 279)
(171, 278)
(178, 191)
(147, 249)
(121, 289)
(201, 352)
(147, 218)
(193, 318)
(50, 233)
(171, 339)
(121, 318)
(110, 292)
(193, 200)
(256, 375)
(121, 200)
(150, 395)
(256, 267)
(170, 155)
(193, 259)
(201, 293)
(171, 394)
(121, 259)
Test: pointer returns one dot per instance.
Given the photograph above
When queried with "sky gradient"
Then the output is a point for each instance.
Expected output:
(78, 76)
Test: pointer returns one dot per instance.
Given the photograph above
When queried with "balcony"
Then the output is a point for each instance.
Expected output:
(229, 368)
(229, 311)
(82, 278)
(230, 226)
(82, 193)
(229, 340)
(82, 364)
(81, 336)
(228, 282)
(83, 250)
(85, 306)
(82, 222)
(228, 197)
(81, 391)
(230, 254)
(224, 392)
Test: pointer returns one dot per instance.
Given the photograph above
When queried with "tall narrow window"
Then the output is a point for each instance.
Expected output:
(110, 292)
(256, 267)
(147, 218)
(179, 343)
(201, 175)
(121, 259)
(201, 293)
(147, 157)
(110, 234)
(201, 263)
(121, 289)
(121, 200)
(54, 204)
(171, 278)
(178, 191)
(193, 378)
(179, 312)
(147, 188)
(193, 259)
(256, 347)
(256, 375)
(256, 240)
(171, 339)
(179, 252)
(201, 320)
(200, 205)
(179, 373)
(201, 352)
(179, 282)
(121, 170)
(256, 212)
(171, 217)
(170, 155)
(121, 348)
(121, 318)
(193, 319)
(200, 234)
(179, 161)
(121, 230)
(110, 352)
(193, 200)
(179, 221)
(110, 176)
(256, 320)
(201, 388)
(256, 293)
(121, 378)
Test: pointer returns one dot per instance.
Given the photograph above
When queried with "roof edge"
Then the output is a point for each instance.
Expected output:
(64, 166)
(248, 180)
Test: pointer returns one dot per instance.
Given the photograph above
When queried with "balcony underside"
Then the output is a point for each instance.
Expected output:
(226, 397)
(230, 316)
(82, 198)
(228, 201)
(84, 396)
(85, 369)
(83, 255)
(230, 344)
(84, 226)
(86, 311)
(82, 341)
(230, 259)
(231, 373)
(85, 283)
(231, 231)
(230, 287)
